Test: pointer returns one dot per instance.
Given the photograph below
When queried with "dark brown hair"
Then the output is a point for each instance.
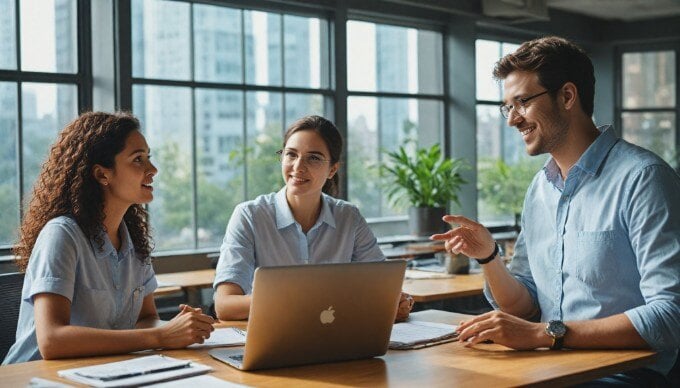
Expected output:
(330, 135)
(66, 185)
(556, 61)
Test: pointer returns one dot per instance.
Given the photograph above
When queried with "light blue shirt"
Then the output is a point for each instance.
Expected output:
(106, 288)
(606, 241)
(263, 232)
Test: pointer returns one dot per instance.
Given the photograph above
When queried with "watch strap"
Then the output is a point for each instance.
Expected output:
(496, 249)
(557, 343)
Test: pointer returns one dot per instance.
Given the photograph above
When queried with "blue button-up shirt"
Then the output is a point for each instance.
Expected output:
(606, 241)
(106, 287)
(263, 232)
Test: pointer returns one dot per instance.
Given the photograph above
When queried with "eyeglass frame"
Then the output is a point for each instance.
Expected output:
(506, 109)
(305, 159)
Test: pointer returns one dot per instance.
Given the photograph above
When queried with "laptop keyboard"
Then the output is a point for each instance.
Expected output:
(237, 357)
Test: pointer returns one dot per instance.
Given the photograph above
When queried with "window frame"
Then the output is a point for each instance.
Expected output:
(82, 79)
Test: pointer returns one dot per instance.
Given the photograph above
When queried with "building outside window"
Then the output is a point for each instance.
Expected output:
(215, 87)
(396, 97)
(649, 102)
(41, 84)
(504, 170)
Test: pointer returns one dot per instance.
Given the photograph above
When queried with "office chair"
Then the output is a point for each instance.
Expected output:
(10, 300)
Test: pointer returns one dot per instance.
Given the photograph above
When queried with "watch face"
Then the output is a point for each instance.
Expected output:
(556, 329)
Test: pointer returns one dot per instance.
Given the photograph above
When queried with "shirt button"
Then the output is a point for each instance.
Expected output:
(116, 286)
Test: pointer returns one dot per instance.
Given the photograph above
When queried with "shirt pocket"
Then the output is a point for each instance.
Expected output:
(133, 306)
(93, 307)
(596, 256)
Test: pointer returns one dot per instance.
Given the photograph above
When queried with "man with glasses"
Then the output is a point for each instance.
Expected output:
(597, 263)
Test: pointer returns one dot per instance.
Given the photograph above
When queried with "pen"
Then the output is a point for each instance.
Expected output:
(139, 373)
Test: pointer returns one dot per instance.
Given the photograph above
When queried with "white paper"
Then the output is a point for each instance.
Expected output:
(419, 332)
(224, 336)
(203, 381)
(141, 369)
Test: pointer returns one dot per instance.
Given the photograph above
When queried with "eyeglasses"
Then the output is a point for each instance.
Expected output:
(288, 158)
(519, 106)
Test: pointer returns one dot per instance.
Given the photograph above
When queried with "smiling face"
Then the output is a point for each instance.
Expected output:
(303, 179)
(543, 127)
(129, 181)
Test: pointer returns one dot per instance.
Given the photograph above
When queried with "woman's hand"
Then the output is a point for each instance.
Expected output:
(405, 306)
(188, 327)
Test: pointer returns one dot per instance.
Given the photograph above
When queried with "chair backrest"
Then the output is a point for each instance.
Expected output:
(10, 300)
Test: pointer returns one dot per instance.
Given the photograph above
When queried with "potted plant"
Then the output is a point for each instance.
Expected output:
(427, 182)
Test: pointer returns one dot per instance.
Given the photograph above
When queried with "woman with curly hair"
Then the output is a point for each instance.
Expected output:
(85, 247)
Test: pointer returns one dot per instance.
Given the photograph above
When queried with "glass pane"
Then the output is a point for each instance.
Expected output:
(9, 179)
(383, 124)
(217, 44)
(219, 156)
(165, 115)
(45, 110)
(263, 48)
(649, 80)
(654, 131)
(8, 39)
(161, 39)
(305, 44)
(486, 55)
(393, 59)
(264, 137)
(299, 105)
(504, 170)
(49, 35)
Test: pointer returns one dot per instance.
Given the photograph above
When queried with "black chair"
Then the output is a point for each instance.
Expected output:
(10, 300)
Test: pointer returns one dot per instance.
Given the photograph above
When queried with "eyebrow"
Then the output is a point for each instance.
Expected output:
(142, 150)
(310, 152)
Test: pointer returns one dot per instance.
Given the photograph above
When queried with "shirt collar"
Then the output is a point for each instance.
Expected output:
(591, 160)
(284, 216)
(126, 246)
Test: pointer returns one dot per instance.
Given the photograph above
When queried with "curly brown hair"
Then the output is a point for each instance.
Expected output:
(66, 185)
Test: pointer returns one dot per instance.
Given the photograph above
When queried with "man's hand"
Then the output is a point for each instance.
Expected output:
(504, 329)
(469, 238)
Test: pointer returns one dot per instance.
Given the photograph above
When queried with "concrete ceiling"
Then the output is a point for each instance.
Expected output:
(625, 10)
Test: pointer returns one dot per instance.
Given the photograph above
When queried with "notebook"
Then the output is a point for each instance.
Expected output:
(311, 314)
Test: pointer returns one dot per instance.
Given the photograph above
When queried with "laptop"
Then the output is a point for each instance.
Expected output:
(308, 314)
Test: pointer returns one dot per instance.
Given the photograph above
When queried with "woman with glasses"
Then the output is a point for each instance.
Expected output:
(300, 224)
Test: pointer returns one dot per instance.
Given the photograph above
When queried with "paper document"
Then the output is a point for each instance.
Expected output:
(419, 334)
(224, 336)
(134, 372)
(203, 381)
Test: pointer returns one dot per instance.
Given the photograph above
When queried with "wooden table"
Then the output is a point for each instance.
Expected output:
(191, 282)
(445, 365)
(422, 290)
(429, 290)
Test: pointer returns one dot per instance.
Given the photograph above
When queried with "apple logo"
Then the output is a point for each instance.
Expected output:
(327, 316)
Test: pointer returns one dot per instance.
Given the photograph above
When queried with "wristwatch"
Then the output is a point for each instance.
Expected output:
(556, 330)
(496, 249)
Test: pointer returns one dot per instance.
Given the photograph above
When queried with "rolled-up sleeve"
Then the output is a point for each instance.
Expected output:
(654, 218)
(52, 267)
(237, 253)
(365, 244)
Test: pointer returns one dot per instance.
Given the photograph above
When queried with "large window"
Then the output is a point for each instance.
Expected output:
(214, 88)
(396, 97)
(504, 170)
(649, 102)
(40, 82)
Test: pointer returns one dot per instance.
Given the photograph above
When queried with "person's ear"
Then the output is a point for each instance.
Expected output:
(334, 170)
(100, 174)
(569, 95)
